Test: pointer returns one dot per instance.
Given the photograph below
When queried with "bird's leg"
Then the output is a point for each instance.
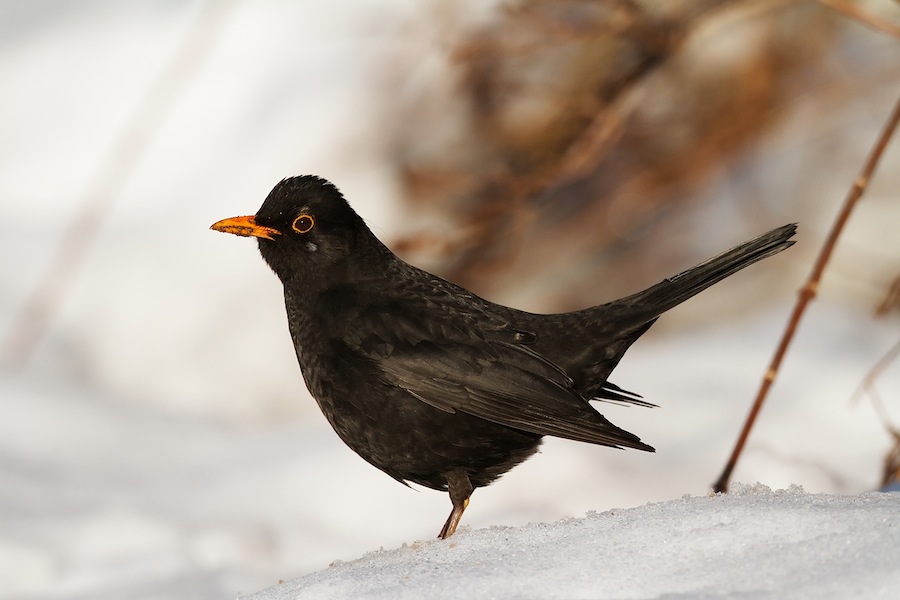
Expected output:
(460, 489)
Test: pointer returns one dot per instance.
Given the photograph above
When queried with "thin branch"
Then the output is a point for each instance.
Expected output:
(808, 292)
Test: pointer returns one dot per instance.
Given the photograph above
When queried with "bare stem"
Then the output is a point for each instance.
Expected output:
(808, 291)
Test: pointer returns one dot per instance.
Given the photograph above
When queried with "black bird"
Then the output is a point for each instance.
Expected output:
(427, 381)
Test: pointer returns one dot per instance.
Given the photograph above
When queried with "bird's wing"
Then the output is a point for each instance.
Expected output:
(454, 369)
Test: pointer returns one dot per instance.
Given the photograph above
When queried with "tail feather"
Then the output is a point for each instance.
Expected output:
(615, 326)
(673, 291)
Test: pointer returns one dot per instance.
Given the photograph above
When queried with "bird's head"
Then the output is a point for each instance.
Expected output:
(306, 230)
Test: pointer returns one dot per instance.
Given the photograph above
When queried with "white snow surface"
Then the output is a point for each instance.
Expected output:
(751, 543)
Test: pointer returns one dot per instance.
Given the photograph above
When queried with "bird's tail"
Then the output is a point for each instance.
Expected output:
(646, 306)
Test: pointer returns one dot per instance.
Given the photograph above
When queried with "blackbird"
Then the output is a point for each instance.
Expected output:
(425, 380)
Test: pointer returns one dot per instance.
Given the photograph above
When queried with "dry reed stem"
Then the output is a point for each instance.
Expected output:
(808, 291)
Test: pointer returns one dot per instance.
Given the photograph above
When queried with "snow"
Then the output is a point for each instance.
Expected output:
(161, 444)
(752, 543)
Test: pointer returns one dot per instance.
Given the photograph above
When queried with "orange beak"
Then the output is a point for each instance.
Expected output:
(245, 226)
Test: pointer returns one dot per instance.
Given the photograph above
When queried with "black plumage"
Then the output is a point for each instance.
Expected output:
(427, 381)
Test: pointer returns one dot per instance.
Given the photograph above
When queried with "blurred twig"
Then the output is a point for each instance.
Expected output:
(30, 326)
(853, 11)
(590, 119)
(867, 386)
(891, 471)
(808, 292)
(891, 299)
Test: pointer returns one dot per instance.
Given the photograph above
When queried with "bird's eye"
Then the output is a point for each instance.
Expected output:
(303, 223)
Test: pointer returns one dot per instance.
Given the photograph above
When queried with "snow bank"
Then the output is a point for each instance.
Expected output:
(752, 543)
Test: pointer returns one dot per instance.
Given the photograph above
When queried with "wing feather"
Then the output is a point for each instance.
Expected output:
(475, 373)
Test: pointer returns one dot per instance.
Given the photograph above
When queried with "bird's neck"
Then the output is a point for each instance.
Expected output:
(364, 271)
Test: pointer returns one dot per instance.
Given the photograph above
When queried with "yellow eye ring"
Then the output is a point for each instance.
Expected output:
(303, 223)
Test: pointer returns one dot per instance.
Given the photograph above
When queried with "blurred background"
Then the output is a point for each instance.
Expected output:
(156, 439)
